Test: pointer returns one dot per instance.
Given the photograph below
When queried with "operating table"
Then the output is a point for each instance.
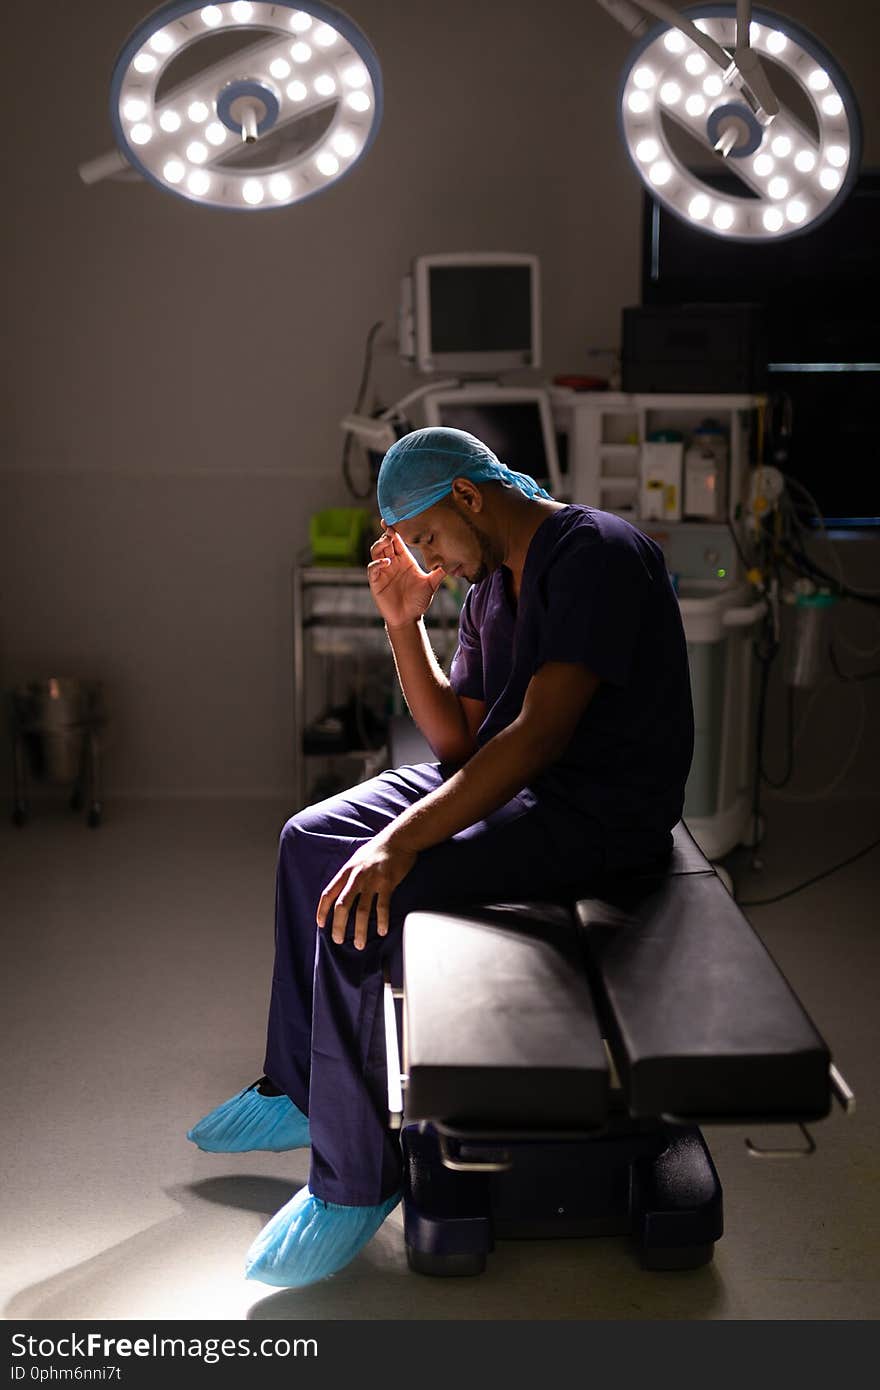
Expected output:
(558, 1060)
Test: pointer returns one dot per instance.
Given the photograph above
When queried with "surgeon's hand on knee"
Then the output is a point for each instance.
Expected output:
(371, 874)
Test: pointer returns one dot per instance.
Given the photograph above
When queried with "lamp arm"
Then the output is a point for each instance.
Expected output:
(623, 12)
(748, 64)
(743, 68)
(103, 166)
(626, 14)
(743, 24)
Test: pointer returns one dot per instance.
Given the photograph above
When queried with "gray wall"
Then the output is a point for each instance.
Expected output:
(176, 375)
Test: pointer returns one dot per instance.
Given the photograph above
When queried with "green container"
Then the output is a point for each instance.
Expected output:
(337, 536)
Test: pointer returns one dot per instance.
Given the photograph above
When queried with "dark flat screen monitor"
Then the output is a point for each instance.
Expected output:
(477, 312)
(515, 423)
(821, 297)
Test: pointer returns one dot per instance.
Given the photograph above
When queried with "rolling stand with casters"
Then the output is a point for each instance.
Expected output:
(559, 1058)
(55, 726)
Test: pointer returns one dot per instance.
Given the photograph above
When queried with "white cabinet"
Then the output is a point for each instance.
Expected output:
(606, 430)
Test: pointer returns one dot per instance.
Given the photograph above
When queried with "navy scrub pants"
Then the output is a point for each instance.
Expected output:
(326, 1038)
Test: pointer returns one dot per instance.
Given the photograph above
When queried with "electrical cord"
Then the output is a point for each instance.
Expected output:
(739, 550)
(778, 545)
(361, 396)
(823, 792)
(766, 652)
(841, 590)
(761, 902)
(844, 589)
(842, 675)
(766, 655)
(789, 743)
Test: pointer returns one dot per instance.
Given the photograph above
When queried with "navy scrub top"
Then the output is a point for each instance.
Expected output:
(594, 590)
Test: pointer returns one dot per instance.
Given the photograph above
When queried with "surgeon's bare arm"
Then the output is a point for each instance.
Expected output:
(403, 592)
(556, 699)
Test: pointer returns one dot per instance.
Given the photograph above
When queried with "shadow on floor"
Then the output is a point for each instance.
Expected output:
(190, 1265)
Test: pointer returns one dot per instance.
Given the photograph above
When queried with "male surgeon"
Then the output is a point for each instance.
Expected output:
(563, 737)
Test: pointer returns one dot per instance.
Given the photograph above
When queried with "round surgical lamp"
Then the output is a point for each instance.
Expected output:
(710, 72)
(283, 105)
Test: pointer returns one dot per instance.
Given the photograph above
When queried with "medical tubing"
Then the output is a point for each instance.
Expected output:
(739, 550)
(765, 663)
(842, 676)
(789, 743)
(844, 589)
(822, 792)
(841, 590)
(762, 902)
(766, 660)
(798, 562)
(362, 391)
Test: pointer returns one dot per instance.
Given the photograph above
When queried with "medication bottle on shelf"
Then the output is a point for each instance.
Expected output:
(660, 466)
(705, 473)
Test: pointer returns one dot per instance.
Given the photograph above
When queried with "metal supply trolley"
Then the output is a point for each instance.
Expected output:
(55, 725)
(340, 647)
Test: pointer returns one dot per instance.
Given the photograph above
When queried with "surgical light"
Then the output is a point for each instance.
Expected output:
(238, 100)
(719, 77)
(708, 71)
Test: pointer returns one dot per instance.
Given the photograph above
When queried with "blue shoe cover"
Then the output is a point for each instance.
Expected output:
(309, 1239)
(252, 1121)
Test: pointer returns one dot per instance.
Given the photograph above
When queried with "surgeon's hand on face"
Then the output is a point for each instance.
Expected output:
(373, 871)
(401, 589)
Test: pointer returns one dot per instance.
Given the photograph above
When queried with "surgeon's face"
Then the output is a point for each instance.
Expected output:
(447, 535)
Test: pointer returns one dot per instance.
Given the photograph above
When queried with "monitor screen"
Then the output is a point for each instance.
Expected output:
(821, 298)
(820, 291)
(519, 432)
(476, 312)
(484, 308)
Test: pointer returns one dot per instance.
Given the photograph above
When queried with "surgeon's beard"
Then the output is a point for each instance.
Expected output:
(491, 557)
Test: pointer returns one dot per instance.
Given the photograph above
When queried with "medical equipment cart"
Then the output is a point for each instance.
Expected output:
(341, 657)
(606, 431)
(55, 725)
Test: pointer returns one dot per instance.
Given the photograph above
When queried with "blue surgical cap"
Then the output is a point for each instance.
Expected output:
(419, 469)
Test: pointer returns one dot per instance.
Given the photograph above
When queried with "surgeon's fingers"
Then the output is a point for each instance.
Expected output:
(383, 912)
(378, 569)
(398, 545)
(381, 547)
(362, 920)
(329, 894)
(344, 903)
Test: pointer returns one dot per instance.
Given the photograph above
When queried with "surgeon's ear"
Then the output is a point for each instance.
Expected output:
(467, 494)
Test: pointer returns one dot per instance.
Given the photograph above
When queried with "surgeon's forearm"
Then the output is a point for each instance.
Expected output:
(430, 698)
(500, 769)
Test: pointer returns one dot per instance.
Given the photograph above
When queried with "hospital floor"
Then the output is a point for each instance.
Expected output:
(137, 960)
